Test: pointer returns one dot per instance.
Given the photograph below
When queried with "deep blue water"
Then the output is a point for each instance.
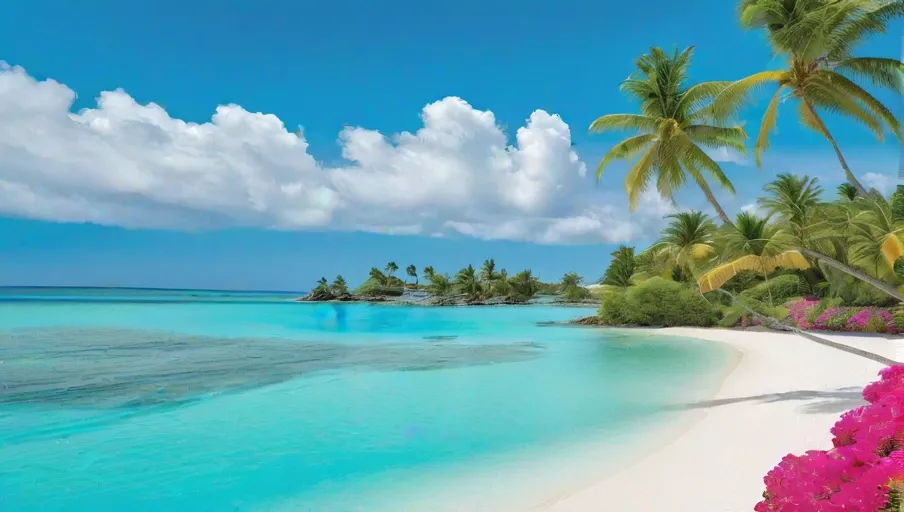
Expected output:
(194, 401)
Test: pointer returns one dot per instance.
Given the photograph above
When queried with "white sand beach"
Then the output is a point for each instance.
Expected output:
(782, 397)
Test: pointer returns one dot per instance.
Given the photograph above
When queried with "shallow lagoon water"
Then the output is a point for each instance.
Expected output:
(188, 401)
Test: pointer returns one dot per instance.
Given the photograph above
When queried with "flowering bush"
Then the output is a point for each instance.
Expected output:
(809, 313)
(799, 310)
(862, 473)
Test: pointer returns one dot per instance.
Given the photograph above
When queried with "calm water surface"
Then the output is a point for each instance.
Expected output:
(213, 401)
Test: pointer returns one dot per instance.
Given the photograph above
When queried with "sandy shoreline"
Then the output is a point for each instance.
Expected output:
(782, 397)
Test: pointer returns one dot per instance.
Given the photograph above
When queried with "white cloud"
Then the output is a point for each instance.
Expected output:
(755, 209)
(133, 165)
(727, 155)
(884, 183)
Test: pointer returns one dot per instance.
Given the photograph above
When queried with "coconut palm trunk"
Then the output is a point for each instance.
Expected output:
(715, 204)
(861, 191)
(880, 285)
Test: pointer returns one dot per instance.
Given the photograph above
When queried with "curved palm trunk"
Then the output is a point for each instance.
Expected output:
(715, 204)
(775, 324)
(880, 285)
(861, 191)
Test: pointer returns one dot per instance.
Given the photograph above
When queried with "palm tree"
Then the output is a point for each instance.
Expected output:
(571, 279)
(378, 276)
(571, 287)
(688, 239)
(525, 285)
(339, 286)
(429, 272)
(876, 236)
(817, 38)
(467, 282)
(753, 244)
(411, 270)
(621, 269)
(501, 285)
(391, 268)
(322, 285)
(440, 285)
(672, 130)
(847, 192)
(796, 200)
(488, 271)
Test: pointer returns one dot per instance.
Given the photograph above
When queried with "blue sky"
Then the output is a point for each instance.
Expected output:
(173, 221)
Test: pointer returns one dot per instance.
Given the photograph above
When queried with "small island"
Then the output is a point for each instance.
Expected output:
(487, 286)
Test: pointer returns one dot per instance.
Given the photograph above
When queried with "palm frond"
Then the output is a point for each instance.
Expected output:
(625, 149)
(633, 122)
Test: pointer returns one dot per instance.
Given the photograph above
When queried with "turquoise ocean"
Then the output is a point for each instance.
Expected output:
(162, 400)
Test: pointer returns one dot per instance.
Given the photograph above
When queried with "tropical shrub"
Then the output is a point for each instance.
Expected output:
(658, 302)
(863, 471)
(614, 309)
(781, 289)
(898, 318)
(801, 311)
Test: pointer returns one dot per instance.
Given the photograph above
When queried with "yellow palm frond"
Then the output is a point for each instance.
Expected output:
(700, 251)
(625, 149)
(787, 259)
(715, 137)
(892, 248)
(715, 278)
(633, 122)
(869, 101)
(823, 94)
(639, 176)
(730, 101)
(766, 127)
(882, 72)
(694, 157)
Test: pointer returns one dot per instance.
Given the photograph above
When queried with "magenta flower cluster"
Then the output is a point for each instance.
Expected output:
(862, 470)
(837, 318)
(799, 310)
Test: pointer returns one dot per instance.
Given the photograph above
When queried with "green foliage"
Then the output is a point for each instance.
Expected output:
(897, 203)
(524, 286)
(898, 317)
(875, 324)
(839, 321)
(824, 304)
(782, 288)
(657, 302)
(614, 309)
(621, 269)
(339, 286)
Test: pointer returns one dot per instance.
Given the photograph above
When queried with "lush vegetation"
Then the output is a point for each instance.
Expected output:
(865, 469)
(804, 257)
(469, 285)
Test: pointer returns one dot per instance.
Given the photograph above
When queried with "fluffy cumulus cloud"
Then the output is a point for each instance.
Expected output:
(126, 164)
(884, 183)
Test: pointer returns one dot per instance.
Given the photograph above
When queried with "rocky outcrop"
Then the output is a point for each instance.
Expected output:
(590, 320)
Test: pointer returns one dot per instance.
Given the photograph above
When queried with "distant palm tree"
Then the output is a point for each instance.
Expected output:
(688, 240)
(428, 272)
(818, 38)
(501, 285)
(753, 244)
(411, 270)
(571, 279)
(440, 285)
(378, 276)
(322, 285)
(847, 191)
(796, 200)
(672, 131)
(525, 285)
(339, 286)
(468, 283)
(621, 269)
(488, 271)
(391, 268)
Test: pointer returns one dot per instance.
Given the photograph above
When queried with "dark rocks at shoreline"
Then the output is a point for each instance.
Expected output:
(590, 320)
